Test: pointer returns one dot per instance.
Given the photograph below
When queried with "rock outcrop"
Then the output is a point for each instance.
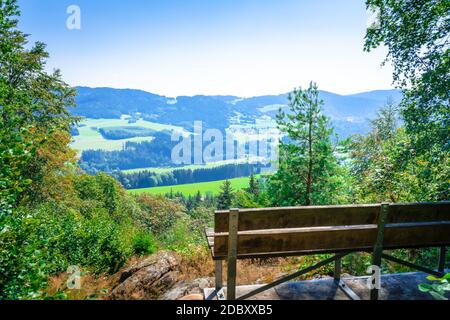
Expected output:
(149, 279)
(158, 278)
(188, 290)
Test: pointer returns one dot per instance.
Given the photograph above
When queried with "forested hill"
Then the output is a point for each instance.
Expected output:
(349, 113)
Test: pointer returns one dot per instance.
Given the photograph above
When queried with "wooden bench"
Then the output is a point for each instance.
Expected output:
(340, 230)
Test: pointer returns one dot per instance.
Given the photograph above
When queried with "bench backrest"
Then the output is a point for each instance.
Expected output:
(297, 230)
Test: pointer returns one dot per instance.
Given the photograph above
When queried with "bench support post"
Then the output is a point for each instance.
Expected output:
(442, 253)
(232, 253)
(378, 248)
(219, 280)
(337, 269)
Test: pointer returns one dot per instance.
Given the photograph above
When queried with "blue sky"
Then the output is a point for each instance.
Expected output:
(189, 47)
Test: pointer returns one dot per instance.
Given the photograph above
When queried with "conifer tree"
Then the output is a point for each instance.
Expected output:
(225, 199)
(307, 161)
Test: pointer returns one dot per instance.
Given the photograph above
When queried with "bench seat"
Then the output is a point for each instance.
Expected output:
(298, 231)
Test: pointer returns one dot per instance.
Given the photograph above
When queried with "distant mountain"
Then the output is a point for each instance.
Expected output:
(379, 95)
(349, 113)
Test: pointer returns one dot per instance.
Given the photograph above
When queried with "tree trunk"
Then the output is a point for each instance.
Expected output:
(310, 164)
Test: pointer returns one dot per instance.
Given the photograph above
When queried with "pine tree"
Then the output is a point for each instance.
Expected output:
(307, 161)
(225, 199)
(253, 188)
(198, 198)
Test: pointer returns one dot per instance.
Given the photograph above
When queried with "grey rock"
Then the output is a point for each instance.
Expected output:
(149, 279)
(185, 289)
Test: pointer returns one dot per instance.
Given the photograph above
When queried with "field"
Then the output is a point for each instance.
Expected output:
(90, 138)
(192, 189)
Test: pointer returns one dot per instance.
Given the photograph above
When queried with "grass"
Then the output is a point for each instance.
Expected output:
(90, 138)
(193, 189)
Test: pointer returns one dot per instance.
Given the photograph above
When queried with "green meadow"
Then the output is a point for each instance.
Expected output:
(193, 189)
(90, 138)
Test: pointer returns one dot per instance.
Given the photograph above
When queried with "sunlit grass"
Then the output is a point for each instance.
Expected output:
(192, 189)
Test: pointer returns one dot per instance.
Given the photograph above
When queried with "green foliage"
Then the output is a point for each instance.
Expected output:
(46, 240)
(438, 288)
(244, 199)
(43, 244)
(307, 163)
(96, 241)
(386, 167)
(416, 35)
(22, 265)
(253, 186)
(33, 106)
(126, 132)
(203, 214)
(226, 196)
(144, 243)
(185, 237)
(373, 165)
(158, 214)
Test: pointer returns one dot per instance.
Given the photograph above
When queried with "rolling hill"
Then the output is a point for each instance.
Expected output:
(349, 113)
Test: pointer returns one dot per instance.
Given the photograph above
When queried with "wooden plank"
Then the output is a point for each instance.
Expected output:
(419, 212)
(209, 232)
(299, 217)
(210, 242)
(315, 216)
(332, 239)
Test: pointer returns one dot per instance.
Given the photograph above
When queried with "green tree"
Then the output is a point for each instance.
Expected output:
(373, 159)
(385, 167)
(226, 196)
(307, 162)
(253, 186)
(416, 34)
(33, 107)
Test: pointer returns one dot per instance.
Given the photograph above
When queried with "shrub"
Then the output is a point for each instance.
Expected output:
(35, 244)
(185, 237)
(144, 243)
(158, 214)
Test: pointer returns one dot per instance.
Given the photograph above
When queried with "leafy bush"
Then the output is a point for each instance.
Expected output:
(22, 265)
(53, 237)
(185, 237)
(438, 288)
(158, 214)
(144, 243)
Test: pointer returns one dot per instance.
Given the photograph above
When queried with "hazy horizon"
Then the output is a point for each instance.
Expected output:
(237, 96)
